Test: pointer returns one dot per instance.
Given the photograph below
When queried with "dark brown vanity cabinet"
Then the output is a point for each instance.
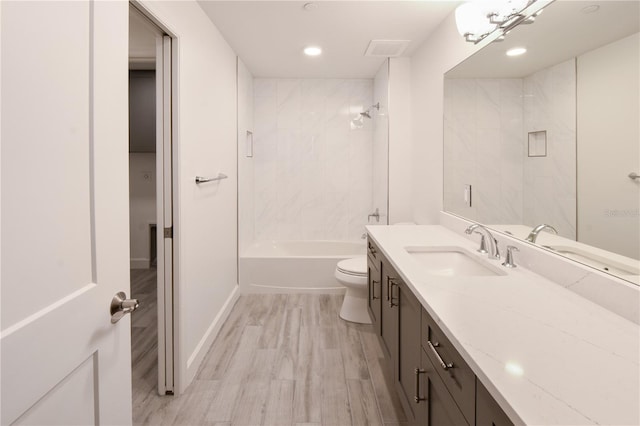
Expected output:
(374, 303)
(435, 385)
(488, 412)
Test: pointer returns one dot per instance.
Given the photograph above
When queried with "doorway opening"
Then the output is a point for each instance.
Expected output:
(151, 206)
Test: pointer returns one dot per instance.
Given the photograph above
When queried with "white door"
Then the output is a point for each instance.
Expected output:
(64, 213)
(164, 213)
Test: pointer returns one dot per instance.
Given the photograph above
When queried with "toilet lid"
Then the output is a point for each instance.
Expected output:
(354, 266)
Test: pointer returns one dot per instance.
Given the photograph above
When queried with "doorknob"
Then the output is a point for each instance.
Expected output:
(120, 306)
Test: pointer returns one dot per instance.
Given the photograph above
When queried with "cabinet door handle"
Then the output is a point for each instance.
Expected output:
(389, 288)
(433, 347)
(373, 289)
(417, 398)
(391, 298)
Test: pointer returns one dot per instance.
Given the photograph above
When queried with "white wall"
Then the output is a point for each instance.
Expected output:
(313, 177)
(380, 162)
(400, 146)
(142, 206)
(205, 226)
(444, 49)
(245, 163)
(608, 150)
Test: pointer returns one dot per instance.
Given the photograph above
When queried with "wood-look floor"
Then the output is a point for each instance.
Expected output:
(284, 359)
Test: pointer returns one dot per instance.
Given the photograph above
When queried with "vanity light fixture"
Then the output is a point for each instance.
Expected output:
(312, 51)
(517, 51)
(477, 19)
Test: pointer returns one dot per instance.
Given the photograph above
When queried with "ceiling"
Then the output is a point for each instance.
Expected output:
(269, 36)
(561, 32)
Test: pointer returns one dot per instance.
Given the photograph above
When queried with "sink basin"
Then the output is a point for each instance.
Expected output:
(593, 260)
(452, 262)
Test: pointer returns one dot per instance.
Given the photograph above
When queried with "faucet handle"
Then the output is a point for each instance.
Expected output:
(483, 243)
(508, 262)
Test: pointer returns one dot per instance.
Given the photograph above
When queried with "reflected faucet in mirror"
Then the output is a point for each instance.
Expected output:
(494, 252)
(533, 235)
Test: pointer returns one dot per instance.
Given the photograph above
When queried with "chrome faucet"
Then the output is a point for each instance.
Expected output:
(494, 252)
(533, 235)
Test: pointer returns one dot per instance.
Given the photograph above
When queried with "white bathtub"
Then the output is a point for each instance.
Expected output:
(295, 266)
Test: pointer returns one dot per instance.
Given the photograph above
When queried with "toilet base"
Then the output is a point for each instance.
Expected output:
(354, 306)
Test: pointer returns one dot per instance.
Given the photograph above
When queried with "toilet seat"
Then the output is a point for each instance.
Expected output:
(356, 266)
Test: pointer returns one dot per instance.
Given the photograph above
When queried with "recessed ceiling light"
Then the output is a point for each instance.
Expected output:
(312, 51)
(591, 9)
(516, 51)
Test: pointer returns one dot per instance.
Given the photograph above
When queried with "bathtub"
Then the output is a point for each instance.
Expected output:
(295, 266)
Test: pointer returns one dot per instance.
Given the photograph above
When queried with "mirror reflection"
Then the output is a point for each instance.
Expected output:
(548, 134)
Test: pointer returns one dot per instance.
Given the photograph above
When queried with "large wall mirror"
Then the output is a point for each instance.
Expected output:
(553, 136)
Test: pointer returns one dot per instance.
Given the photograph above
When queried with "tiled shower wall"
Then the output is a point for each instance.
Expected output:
(483, 128)
(312, 170)
(487, 122)
(550, 181)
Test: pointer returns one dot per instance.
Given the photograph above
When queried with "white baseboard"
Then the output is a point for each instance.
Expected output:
(139, 263)
(196, 358)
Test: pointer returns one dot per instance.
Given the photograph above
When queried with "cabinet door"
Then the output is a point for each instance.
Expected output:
(408, 361)
(488, 412)
(375, 292)
(389, 313)
(440, 409)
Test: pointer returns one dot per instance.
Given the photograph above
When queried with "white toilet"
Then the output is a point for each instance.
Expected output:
(352, 273)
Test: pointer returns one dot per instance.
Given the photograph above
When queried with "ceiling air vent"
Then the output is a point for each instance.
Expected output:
(386, 48)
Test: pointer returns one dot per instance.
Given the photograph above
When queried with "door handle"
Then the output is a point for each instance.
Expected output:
(120, 306)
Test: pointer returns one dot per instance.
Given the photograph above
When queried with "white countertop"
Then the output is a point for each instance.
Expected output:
(546, 354)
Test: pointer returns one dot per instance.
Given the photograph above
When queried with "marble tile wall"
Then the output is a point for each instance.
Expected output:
(486, 126)
(550, 182)
(483, 128)
(312, 171)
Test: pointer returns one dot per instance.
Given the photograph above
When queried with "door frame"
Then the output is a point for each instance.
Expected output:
(168, 306)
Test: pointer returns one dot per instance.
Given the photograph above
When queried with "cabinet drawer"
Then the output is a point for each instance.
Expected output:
(458, 378)
(372, 250)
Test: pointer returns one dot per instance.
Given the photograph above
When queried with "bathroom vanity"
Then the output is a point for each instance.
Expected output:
(472, 342)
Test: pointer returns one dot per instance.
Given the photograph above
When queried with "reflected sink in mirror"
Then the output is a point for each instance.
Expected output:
(596, 261)
(452, 262)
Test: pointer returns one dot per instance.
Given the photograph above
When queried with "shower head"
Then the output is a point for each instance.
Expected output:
(358, 122)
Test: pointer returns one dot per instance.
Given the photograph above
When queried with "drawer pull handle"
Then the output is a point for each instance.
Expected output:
(433, 347)
(373, 289)
(417, 398)
(372, 250)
